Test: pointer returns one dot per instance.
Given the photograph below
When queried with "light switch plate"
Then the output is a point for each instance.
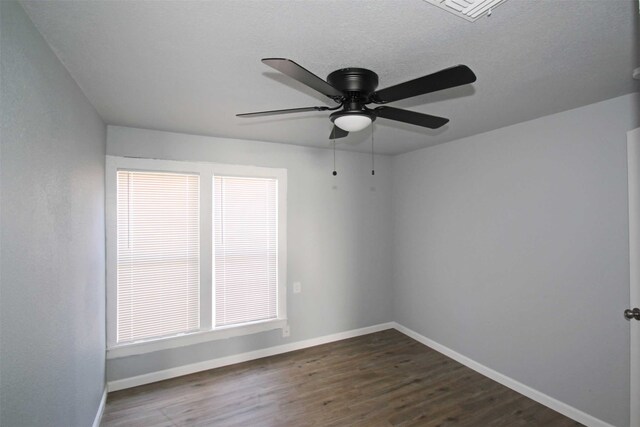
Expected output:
(297, 287)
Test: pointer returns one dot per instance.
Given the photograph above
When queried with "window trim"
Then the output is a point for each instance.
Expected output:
(207, 171)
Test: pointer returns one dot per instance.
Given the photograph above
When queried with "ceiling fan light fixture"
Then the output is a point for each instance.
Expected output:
(352, 121)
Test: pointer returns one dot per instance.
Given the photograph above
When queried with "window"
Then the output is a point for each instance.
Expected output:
(158, 274)
(245, 249)
(195, 251)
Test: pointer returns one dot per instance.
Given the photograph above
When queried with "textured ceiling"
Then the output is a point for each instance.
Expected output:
(189, 66)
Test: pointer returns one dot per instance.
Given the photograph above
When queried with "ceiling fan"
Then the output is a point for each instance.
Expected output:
(355, 88)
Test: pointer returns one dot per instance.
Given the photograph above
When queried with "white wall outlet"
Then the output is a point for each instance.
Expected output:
(286, 331)
(297, 287)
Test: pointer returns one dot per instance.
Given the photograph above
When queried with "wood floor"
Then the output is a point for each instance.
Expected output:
(381, 379)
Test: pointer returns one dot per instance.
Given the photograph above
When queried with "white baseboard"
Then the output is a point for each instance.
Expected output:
(523, 389)
(103, 401)
(242, 357)
(531, 393)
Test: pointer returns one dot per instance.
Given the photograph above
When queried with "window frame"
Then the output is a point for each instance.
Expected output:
(207, 331)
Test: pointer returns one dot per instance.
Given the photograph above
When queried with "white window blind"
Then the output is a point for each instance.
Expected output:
(158, 254)
(246, 249)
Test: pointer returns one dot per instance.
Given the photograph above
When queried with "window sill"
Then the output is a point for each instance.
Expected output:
(141, 347)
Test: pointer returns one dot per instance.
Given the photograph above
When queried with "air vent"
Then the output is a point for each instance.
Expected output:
(467, 9)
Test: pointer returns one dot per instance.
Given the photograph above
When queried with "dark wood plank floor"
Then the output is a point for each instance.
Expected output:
(381, 379)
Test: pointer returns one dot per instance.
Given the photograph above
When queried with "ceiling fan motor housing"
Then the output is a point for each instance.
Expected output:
(358, 83)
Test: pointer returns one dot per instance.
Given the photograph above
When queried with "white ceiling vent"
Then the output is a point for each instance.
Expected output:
(467, 9)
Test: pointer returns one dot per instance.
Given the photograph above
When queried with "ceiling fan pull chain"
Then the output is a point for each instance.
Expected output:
(373, 172)
(334, 158)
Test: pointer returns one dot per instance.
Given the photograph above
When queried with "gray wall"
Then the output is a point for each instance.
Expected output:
(511, 248)
(338, 238)
(52, 334)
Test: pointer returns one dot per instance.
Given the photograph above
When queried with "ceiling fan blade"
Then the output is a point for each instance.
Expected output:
(336, 133)
(295, 71)
(443, 79)
(290, 110)
(406, 116)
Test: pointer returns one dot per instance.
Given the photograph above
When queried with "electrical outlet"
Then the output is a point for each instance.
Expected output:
(286, 331)
(297, 287)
